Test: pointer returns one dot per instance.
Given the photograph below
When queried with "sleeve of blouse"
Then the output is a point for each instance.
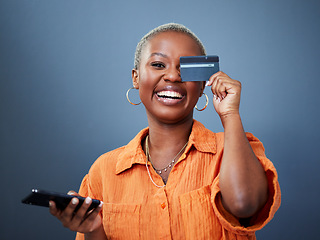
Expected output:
(84, 187)
(264, 215)
(84, 191)
(91, 187)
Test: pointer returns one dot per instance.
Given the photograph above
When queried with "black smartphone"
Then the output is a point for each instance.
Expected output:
(42, 198)
(198, 68)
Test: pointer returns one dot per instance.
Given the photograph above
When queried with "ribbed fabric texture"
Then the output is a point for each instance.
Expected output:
(188, 207)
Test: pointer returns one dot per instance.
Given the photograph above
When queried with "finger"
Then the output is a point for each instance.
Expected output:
(212, 78)
(80, 215)
(94, 212)
(221, 88)
(217, 87)
(73, 193)
(214, 87)
(222, 84)
(53, 208)
(67, 215)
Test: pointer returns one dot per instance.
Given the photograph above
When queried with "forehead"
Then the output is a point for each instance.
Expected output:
(172, 43)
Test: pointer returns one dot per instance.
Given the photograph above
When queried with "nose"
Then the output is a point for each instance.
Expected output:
(173, 75)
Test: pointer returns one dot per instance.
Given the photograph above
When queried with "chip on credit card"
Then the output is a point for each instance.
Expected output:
(198, 68)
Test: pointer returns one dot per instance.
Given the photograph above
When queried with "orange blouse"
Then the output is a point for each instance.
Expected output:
(188, 207)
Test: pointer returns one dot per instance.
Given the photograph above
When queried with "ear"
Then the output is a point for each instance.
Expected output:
(202, 88)
(135, 78)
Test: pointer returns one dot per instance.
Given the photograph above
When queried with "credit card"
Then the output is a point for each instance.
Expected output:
(198, 68)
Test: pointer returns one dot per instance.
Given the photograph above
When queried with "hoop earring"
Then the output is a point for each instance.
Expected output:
(127, 94)
(207, 102)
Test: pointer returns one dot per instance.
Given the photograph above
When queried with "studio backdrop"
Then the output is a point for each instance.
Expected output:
(65, 67)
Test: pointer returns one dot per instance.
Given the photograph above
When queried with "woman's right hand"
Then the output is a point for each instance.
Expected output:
(79, 221)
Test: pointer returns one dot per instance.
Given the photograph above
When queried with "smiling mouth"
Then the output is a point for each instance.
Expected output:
(169, 94)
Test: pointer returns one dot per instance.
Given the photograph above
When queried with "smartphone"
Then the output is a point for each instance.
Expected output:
(198, 68)
(42, 198)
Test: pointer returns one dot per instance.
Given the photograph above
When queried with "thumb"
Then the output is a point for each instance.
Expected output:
(73, 193)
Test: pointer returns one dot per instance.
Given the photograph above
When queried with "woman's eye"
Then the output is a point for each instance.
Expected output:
(157, 65)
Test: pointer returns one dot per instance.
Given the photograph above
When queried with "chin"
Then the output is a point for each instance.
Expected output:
(173, 117)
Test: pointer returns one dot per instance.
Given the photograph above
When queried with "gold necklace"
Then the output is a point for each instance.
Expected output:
(171, 164)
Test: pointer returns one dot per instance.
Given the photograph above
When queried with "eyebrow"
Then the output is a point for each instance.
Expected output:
(158, 54)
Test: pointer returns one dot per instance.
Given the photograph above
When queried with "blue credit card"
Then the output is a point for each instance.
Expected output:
(198, 68)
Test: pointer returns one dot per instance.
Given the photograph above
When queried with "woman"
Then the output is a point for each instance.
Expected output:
(176, 179)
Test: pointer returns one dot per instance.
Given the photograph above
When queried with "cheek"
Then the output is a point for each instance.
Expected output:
(195, 89)
(148, 80)
(145, 78)
(144, 81)
(146, 87)
(194, 92)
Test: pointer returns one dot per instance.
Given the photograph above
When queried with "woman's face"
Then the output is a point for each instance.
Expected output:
(166, 98)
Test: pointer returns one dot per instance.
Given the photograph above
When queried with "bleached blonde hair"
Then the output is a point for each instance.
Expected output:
(169, 27)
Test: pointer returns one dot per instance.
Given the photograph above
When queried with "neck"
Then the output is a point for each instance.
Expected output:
(163, 136)
(166, 143)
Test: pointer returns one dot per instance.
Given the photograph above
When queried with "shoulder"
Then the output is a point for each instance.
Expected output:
(108, 157)
(105, 161)
(122, 157)
(256, 144)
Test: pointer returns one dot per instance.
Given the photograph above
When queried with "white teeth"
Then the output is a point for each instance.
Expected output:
(169, 94)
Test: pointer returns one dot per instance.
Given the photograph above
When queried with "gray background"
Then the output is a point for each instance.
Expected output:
(65, 66)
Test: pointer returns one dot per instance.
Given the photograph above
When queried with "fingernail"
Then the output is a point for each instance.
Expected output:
(74, 201)
(101, 203)
(50, 204)
(88, 200)
(70, 193)
(207, 83)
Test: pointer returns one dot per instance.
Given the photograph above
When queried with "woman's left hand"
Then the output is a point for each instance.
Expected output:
(226, 94)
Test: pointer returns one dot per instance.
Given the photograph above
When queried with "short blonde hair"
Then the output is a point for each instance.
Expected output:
(169, 27)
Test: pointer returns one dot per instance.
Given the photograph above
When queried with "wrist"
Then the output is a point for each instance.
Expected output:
(96, 234)
(230, 119)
